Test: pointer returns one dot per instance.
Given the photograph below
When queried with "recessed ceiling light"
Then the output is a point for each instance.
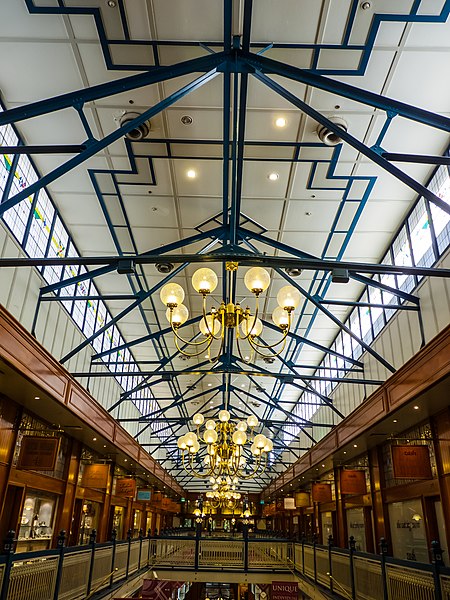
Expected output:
(243, 385)
(104, 445)
(317, 468)
(37, 397)
(273, 176)
(209, 384)
(355, 445)
(186, 120)
(191, 174)
(281, 122)
(416, 407)
(345, 452)
(94, 439)
(126, 460)
(395, 421)
(323, 465)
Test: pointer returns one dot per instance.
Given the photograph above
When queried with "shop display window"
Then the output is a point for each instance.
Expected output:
(37, 516)
(356, 527)
(408, 533)
(118, 521)
(90, 515)
(327, 526)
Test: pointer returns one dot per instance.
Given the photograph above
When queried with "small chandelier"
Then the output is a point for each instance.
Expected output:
(224, 448)
(216, 321)
(223, 494)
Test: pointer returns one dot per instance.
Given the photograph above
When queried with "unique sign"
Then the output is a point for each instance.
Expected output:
(95, 476)
(126, 487)
(321, 492)
(411, 462)
(284, 590)
(38, 453)
(302, 499)
(289, 504)
(353, 482)
(144, 495)
(279, 504)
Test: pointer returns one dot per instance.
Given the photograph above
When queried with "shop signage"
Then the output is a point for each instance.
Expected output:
(126, 487)
(279, 504)
(38, 453)
(284, 590)
(144, 495)
(411, 462)
(302, 499)
(95, 476)
(321, 492)
(353, 482)
(289, 504)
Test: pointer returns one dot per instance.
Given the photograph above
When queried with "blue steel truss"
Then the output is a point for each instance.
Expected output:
(235, 60)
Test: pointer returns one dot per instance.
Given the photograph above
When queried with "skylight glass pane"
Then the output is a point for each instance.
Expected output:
(419, 226)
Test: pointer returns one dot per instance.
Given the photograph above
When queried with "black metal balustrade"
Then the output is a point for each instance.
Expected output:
(72, 573)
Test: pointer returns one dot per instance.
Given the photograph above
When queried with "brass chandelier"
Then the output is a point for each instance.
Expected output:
(224, 449)
(216, 321)
(223, 494)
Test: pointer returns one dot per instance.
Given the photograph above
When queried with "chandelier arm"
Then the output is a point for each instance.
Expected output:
(222, 343)
(247, 317)
(257, 346)
(191, 471)
(210, 333)
(189, 343)
(238, 345)
(191, 354)
(256, 469)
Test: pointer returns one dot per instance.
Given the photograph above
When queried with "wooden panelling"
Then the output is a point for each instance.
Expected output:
(126, 442)
(368, 413)
(422, 371)
(37, 481)
(412, 490)
(91, 412)
(31, 360)
(324, 449)
(27, 356)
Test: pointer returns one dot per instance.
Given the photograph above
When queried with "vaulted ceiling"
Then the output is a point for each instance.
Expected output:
(214, 78)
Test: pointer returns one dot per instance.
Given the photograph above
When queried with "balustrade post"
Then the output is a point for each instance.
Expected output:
(61, 543)
(437, 562)
(149, 535)
(383, 553)
(92, 538)
(303, 553)
(315, 556)
(330, 562)
(198, 533)
(8, 549)
(141, 537)
(129, 534)
(113, 557)
(352, 548)
(245, 535)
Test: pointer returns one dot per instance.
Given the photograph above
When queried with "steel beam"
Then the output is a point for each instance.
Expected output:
(389, 105)
(372, 154)
(96, 146)
(244, 259)
(103, 90)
